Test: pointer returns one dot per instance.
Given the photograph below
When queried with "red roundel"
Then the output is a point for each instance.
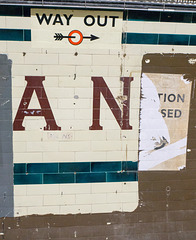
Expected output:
(76, 32)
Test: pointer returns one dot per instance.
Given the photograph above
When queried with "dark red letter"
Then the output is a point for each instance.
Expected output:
(35, 83)
(122, 117)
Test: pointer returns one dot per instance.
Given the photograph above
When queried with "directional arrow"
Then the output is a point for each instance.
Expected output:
(91, 37)
(59, 36)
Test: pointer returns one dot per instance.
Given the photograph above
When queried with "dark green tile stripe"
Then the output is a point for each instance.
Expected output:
(130, 15)
(14, 11)
(159, 39)
(158, 16)
(15, 35)
(72, 172)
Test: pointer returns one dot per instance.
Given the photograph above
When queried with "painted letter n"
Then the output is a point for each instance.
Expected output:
(34, 83)
(121, 116)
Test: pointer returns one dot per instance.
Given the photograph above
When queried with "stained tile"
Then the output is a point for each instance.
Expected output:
(181, 17)
(122, 177)
(106, 166)
(129, 166)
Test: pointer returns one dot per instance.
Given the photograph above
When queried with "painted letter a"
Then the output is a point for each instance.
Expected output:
(34, 83)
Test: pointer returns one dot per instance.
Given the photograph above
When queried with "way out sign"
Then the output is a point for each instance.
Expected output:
(70, 28)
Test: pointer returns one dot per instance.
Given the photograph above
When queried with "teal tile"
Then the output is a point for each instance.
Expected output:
(74, 167)
(122, 177)
(139, 38)
(173, 39)
(58, 178)
(25, 179)
(192, 40)
(106, 166)
(90, 177)
(42, 167)
(181, 17)
(11, 34)
(27, 35)
(15, 35)
(20, 168)
(129, 166)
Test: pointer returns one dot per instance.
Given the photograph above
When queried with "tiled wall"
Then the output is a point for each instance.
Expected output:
(76, 170)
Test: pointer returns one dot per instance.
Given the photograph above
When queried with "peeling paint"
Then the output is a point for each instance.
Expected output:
(192, 61)
(162, 103)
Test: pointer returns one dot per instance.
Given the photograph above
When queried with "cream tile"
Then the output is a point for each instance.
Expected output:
(17, 22)
(20, 190)
(27, 201)
(19, 147)
(58, 200)
(122, 197)
(107, 187)
(28, 70)
(90, 156)
(20, 211)
(59, 70)
(37, 190)
(75, 60)
(105, 208)
(90, 198)
(79, 188)
(42, 146)
(30, 157)
(44, 59)
(129, 207)
(74, 146)
(43, 210)
(74, 209)
(106, 145)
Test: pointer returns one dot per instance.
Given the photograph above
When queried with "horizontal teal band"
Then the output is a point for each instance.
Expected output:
(15, 35)
(159, 39)
(74, 172)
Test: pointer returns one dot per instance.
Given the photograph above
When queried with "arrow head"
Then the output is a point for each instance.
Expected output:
(93, 37)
